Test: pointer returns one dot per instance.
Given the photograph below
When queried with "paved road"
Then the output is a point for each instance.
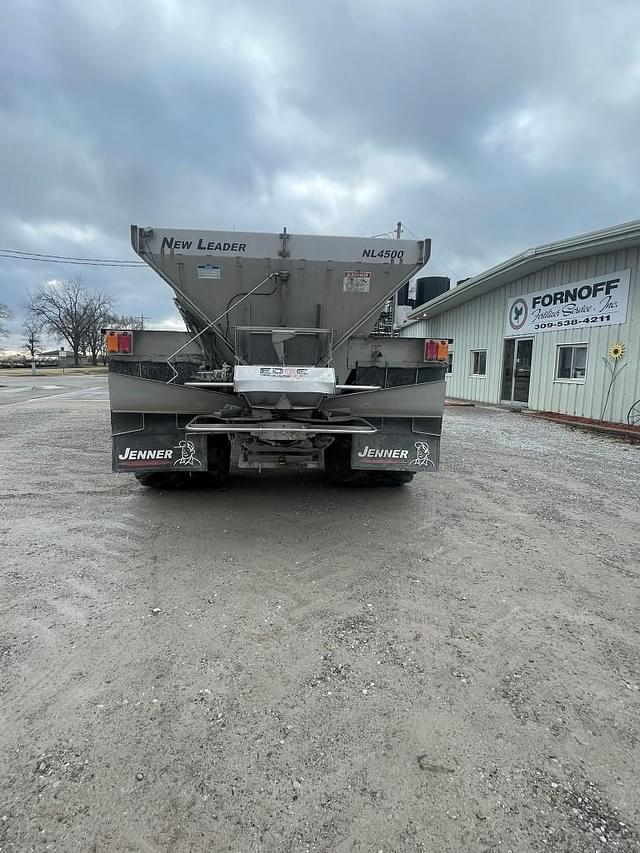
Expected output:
(287, 666)
(20, 389)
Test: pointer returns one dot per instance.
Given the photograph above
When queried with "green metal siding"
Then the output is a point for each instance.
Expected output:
(479, 324)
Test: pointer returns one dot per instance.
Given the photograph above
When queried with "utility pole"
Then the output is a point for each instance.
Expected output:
(394, 298)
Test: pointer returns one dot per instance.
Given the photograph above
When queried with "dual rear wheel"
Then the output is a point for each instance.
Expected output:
(337, 467)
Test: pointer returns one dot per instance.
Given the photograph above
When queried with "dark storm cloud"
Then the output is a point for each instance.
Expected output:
(486, 126)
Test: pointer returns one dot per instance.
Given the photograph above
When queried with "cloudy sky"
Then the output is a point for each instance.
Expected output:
(487, 125)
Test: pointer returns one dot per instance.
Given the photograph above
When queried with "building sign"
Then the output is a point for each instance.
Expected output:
(599, 301)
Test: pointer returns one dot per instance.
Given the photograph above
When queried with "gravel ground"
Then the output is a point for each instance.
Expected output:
(287, 666)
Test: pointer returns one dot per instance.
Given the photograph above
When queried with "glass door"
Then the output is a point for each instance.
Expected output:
(522, 370)
(507, 369)
(516, 370)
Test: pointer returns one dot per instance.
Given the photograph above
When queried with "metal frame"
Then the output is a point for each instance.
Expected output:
(268, 330)
(633, 415)
(472, 352)
(294, 427)
(579, 380)
(531, 338)
(212, 325)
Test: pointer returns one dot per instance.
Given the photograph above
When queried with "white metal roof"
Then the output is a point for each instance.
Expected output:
(594, 242)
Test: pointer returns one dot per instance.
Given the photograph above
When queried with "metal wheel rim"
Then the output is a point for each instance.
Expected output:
(633, 416)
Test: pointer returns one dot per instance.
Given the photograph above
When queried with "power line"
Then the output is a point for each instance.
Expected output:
(444, 263)
(20, 255)
(95, 263)
(70, 257)
(435, 254)
(72, 263)
(40, 257)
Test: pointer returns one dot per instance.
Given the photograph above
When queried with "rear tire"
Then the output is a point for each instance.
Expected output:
(219, 455)
(398, 478)
(157, 479)
(337, 461)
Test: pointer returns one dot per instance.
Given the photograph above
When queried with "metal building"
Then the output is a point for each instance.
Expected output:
(556, 328)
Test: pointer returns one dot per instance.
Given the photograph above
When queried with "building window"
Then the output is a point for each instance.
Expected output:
(478, 362)
(571, 362)
(450, 357)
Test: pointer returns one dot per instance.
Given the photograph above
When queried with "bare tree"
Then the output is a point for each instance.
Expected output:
(5, 314)
(70, 311)
(100, 313)
(32, 329)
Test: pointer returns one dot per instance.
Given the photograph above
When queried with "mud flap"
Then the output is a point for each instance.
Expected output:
(159, 446)
(386, 451)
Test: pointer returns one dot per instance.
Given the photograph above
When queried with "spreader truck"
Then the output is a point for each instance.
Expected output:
(279, 367)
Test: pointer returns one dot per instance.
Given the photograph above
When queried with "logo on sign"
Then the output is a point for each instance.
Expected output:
(289, 372)
(188, 456)
(601, 300)
(518, 314)
(382, 453)
(133, 455)
(423, 455)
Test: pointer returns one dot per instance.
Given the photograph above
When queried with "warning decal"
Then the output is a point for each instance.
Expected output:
(208, 271)
(356, 282)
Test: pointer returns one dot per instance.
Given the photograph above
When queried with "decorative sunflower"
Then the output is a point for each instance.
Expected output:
(616, 351)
